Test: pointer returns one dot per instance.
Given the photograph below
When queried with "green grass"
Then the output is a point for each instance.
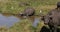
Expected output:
(12, 6)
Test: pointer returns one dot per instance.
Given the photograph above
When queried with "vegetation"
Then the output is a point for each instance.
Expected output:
(18, 6)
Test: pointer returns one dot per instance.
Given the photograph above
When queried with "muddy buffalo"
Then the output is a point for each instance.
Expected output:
(52, 19)
(28, 12)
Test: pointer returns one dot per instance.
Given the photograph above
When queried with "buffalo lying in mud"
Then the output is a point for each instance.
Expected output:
(28, 12)
(52, 19)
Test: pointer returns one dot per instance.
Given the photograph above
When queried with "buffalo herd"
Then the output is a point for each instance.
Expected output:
(52, 18)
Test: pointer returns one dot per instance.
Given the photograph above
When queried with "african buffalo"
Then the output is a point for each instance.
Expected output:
(52, 19)
(29, 11)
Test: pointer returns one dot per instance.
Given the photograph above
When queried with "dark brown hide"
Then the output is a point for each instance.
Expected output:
(28, 11)
(53, 15)
(52, 19)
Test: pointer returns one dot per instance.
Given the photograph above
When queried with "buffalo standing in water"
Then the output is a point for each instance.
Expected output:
(28, 12)
(52, 19)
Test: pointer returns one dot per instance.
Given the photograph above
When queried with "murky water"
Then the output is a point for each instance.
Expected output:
(8, 21)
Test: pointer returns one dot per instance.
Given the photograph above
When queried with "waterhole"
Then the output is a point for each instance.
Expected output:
(10, 20)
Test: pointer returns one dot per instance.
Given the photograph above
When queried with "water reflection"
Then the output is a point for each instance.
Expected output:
(36, 21)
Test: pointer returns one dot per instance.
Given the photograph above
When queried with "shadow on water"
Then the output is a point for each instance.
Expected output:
(8, 19)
